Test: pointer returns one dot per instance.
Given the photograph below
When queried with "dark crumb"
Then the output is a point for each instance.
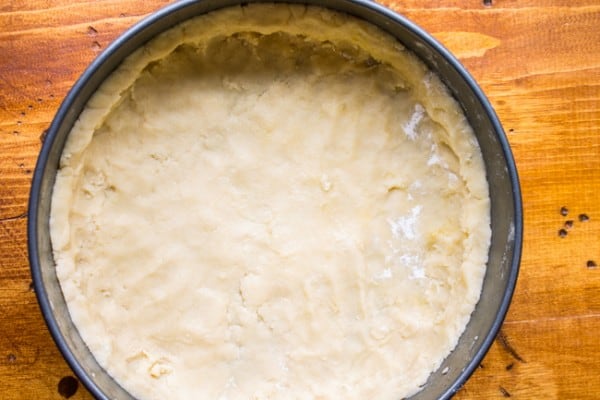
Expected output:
(562, 233)
(583, 217)
(487, 3)
(503, 391)
(510, 366)
(67, 387)
(503, 341)
(31, 287)
(511, 130)
(481, 366)
(564, 211)
(11, 358)
(569, 224)
(591, 264)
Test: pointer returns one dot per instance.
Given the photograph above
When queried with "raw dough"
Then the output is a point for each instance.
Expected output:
(271, 202)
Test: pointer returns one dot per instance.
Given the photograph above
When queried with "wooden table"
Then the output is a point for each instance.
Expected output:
(537, 60)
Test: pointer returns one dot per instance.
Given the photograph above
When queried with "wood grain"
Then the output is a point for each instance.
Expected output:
(537, 60)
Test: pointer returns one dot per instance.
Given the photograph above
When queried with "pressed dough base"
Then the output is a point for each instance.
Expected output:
(271, 202)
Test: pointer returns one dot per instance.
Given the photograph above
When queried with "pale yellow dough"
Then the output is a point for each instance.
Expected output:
(271, 202)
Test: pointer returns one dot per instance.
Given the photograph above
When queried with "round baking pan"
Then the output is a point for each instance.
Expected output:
(506, 208)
